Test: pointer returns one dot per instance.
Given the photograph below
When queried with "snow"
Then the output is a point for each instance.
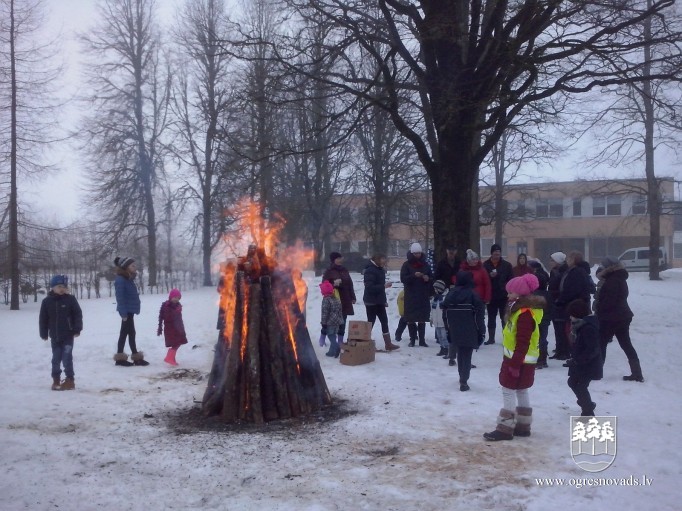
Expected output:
(414, 443)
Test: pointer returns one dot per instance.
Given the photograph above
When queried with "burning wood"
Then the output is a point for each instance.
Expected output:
(266, 368)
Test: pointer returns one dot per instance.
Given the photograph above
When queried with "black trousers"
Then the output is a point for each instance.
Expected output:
(127, 330)
(402, 325)
(496, 308)
(621, 329)
(378, 311)
(579, 386)
(464, 365)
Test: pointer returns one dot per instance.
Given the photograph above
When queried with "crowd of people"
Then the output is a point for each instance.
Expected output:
(458, 295)
(455, 299)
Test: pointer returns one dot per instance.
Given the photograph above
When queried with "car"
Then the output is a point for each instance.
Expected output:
(637, 259)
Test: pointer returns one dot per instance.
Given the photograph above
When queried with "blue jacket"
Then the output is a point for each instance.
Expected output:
(127, 297)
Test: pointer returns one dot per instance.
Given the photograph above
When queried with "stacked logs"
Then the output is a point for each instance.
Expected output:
(267, 368)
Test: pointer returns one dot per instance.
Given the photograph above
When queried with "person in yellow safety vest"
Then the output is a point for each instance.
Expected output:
(520, 340)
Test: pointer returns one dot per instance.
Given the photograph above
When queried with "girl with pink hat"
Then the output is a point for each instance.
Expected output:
(520, 340)
(170, 323)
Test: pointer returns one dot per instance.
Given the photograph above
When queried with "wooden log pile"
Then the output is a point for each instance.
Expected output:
(266, 367)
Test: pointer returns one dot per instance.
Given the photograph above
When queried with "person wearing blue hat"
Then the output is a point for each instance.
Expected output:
(61, 319)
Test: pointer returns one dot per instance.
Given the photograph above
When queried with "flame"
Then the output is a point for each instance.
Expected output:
(251, 227)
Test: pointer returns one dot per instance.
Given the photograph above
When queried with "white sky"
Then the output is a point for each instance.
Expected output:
(60, 194)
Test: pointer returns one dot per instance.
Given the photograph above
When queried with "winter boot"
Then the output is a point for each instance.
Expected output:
(542, 359)
(334, 349)
(138, 359)
(506, 422)
(491, 336)
(588, 410)
(463, 386)
(442, 352)
(388, 344)
(68, 384)
(170, 356)
(122, 359)
(56, 384)
(412, 329)
(421, 335)
(636, 371)
(524, 417)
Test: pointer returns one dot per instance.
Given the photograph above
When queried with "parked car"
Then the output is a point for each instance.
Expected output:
(637, 259)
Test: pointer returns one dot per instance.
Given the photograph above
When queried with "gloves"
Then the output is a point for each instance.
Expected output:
(570, 362)
(514, 372)
(337, 282)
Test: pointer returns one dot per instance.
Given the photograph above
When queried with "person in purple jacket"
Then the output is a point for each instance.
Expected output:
(171, 325)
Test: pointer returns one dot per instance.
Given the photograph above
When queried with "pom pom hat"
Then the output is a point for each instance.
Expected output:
(439, 286)
(523, 285)
(123, 262)
(326, 288)
(174, 293)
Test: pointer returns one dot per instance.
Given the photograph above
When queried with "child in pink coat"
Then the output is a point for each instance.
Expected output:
(170, 323)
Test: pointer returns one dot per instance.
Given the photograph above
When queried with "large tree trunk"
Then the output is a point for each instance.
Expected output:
(15, 276)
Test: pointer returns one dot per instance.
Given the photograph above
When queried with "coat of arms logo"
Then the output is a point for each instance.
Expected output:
(593, 442)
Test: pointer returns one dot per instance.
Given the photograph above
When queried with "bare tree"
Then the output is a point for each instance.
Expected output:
(129, 109)
(202, 103)
(473, 67)
(27, 110)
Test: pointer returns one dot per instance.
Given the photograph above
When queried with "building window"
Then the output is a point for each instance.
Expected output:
(577, 207)
(549, 208)
(613, 205)
(639, 205)
(606, 206)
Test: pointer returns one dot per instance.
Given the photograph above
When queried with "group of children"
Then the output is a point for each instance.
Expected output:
(61, 320)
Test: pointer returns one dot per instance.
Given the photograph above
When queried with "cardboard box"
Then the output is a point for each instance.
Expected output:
(360, 330)
(355, 353)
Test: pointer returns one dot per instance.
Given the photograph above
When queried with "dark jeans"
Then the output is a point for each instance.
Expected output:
(621, 329)
(402, 325)
(563, 348)
(496, 308)
(464, 366)
(579, 387)
(341, 331)
(62, 353)
(127, 330)
(543, 328)
(378, 311)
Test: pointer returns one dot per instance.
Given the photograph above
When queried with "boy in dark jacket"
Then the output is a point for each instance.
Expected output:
(464, 312)
(61, 317)
(586, 362)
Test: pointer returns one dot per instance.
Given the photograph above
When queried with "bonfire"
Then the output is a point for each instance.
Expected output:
(265, 367)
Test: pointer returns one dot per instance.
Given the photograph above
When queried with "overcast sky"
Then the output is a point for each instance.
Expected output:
(60, 195)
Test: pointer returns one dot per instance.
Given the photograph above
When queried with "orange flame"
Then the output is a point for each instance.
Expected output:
(250, 227)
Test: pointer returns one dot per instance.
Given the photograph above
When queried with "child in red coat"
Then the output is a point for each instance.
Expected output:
(170, 323)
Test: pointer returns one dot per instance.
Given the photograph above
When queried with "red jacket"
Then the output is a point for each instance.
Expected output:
(482, 285)
(170, 321)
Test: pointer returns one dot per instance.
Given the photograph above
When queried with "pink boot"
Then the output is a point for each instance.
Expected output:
(170, 357)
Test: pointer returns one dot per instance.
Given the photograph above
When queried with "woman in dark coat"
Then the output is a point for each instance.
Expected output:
(416, 276)
(374, 297)
(464, 317)
(614, 313)
(338, 275)
(586, 361)
(543, 281)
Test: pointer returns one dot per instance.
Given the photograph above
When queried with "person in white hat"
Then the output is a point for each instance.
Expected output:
(416, 276)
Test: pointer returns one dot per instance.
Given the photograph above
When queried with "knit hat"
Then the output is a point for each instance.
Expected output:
(495, 248)
(523, 285)
(59, 280)
(326, 288)
(609, 261)
(558, 257)
(123, 262)
(439, 286)
(471, 256)
(334, 256)
(174, 293)
(416, 248)
(578, 308)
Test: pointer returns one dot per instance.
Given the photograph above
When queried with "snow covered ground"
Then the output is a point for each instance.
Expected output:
(415, 442)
